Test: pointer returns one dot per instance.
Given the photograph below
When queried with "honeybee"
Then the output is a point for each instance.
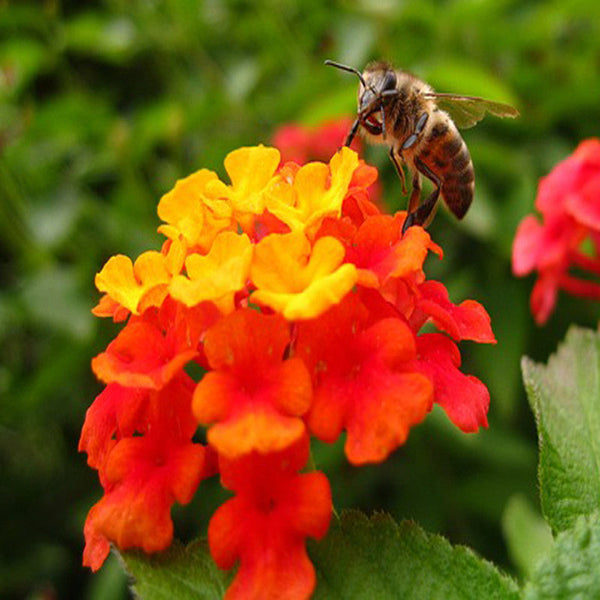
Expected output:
(420, 128)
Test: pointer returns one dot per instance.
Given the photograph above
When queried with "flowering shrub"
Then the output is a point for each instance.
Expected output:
(305, 307)
(569, 202)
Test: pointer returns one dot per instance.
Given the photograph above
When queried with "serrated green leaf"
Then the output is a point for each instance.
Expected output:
(377, 558)
(181, 572)
(565, 398)
(527, 535)
(572, 568)
(360, 558)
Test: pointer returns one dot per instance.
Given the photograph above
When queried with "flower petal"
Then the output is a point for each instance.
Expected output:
(466, 321)
(298, 281)
(464, 398)
(135, 286)
(254, 397)
(265, 525)
(318, 190)
(217, 276)
(250, 170)
(189, 214)
(365, 380)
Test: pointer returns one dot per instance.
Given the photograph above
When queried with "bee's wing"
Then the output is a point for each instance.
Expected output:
(467, 111)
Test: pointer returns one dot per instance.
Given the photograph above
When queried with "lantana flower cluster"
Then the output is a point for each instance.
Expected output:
(564, 248)
(304, 306)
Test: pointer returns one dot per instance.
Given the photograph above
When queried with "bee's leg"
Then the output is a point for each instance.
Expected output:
(409, 142)
(352, 132)
(399, 169)
(415, 195)
(424, 213)
(421, 123)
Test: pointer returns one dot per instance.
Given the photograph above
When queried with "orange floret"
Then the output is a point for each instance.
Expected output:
(254, 396)
(135, 286)
(318, 190)
(217, 276)
(297, 280)
(267, 522)
(189, 214)
(250, 170)
(364, 380)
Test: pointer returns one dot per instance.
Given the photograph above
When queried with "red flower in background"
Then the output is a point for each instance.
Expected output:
(304, 305)
(569, 203)
(301, 143)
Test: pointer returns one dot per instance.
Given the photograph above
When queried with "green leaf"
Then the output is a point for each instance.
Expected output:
(572, 568)
(377, 558)
(472, 79)
(359, 558)
(341, 102)
(22, 60)
(53, 298)
(527, 535)
(110, 583)
(111, 38)
(182, 572)
(564, 398)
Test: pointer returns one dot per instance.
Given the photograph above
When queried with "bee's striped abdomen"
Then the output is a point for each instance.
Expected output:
(448, 157)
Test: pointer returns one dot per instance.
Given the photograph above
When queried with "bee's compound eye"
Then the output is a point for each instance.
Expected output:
(365, 99)
(389, 81)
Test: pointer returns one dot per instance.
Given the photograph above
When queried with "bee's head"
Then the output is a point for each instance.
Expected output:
(377, 82)
(377, 78)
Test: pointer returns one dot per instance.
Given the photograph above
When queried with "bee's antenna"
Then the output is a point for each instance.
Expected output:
(337, 65)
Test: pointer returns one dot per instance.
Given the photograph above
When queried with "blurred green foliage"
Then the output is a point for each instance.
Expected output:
(103, 105)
